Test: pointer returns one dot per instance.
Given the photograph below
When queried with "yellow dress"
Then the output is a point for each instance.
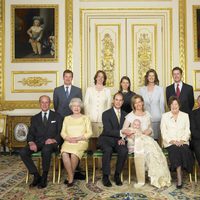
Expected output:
(74, 127)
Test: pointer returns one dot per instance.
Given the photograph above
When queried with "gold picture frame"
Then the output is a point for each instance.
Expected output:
(34, 33)
(196, 31)
(196, 78)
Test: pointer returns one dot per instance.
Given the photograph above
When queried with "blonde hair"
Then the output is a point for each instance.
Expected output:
(133, 100)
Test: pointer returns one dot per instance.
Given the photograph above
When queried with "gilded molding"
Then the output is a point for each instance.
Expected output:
(182, 37)
(69, 34)
(34, 81)
(196, 58)
(2, 39)
(107, 61)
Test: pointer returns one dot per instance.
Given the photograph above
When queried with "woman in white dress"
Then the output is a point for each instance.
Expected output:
(147, 153)
(153, 96)
(97, 100)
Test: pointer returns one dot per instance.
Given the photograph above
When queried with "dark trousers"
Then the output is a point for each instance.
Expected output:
(196, 149)
(109, 145)
(46, 151)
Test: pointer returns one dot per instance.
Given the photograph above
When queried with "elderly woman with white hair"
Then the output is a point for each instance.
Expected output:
(75, 132)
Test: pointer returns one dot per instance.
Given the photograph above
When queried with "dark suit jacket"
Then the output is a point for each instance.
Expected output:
(39, 133)
(61, 102)
(127, 101)
(195, 125)
(186, 96)
(111, 126)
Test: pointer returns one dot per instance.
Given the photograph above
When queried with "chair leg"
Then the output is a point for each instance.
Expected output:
(129, 170)
(54, 168)
(190, 177)
(93, 170)
(59, 169)
(195, 172)
(27, 176)
(38, 165)
(122, 176)
(86, 169)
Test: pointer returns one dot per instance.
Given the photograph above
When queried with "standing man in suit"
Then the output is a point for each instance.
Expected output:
(62, 95)
(195, 130)
(110, 140)
(44, 136)
(182, 90)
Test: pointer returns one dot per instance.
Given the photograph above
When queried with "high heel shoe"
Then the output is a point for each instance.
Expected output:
(70, 184)
(179, 186)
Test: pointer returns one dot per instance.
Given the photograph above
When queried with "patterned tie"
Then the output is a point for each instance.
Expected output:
(67, 92)
(45, 119)
(178, 90)
(118, 116)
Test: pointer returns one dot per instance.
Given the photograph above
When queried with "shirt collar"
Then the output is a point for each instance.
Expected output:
(46, 114)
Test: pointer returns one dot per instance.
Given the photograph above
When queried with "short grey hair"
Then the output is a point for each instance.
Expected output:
(76, 100)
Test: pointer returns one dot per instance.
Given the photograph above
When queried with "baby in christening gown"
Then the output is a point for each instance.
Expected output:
(146, 147)
(136, 128)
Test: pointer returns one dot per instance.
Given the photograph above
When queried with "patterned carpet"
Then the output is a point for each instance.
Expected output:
(13, 187)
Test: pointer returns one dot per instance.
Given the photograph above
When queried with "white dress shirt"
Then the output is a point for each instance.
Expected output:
(180, 85)
(47, 115)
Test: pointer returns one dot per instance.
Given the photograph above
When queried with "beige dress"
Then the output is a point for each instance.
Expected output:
(74, 127)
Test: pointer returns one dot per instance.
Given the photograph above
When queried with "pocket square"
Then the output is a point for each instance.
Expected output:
(53, 122)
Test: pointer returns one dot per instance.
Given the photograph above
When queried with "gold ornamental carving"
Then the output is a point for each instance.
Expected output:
(108, 62)
(34, 81)
(144, 54)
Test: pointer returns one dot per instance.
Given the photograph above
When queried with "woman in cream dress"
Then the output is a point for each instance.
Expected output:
(75, 132)
(153, 96)
(97, 100)
(147, 153)
(175, 130)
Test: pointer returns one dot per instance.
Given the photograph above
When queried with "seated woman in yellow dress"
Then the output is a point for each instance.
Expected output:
(75, 132)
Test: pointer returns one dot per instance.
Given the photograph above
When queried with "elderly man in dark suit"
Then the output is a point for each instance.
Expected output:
(195, 130)
(44, 136)
(182, 90)
(110, 140)
(62, 95)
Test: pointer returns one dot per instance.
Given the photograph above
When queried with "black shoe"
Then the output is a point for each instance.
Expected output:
(117, 180)
(36, 181)
(70, 184)
(106, 181)
(79, 176)
(43, 183)
(179, 186)
(65, 181)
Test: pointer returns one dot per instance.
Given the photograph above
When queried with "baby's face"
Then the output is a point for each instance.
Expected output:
(136, 124)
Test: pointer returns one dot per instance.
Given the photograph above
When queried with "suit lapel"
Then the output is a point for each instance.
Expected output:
(71, 92)
(173, 90)
(50, 118)
(114, 117)
(182, 91)
(39, 119)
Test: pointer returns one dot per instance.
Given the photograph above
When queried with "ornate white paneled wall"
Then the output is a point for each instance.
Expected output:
(193, 62)
(139, 36)
(121, 37)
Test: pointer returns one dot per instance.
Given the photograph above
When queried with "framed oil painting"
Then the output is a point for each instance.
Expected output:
(34, 33)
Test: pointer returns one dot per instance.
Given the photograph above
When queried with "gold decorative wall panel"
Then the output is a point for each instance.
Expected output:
(182, 37)
(108, 50)
(34, 81)
(144, 38)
